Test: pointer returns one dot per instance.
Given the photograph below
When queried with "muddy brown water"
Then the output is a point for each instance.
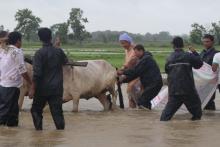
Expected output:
(122, 128)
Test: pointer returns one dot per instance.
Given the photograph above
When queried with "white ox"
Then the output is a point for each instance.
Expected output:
(95, 80)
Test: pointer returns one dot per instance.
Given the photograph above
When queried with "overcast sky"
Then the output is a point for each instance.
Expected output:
(136, 16)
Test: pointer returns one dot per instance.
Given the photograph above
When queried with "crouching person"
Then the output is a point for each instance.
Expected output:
(47, 84)
(148, 72)
(12, 69)
(181, 82)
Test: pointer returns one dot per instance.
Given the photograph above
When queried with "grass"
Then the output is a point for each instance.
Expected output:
(113, 54)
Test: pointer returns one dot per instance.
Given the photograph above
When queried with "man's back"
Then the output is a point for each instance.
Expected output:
(10, 76)
(179, 70)
(147, 69)
(48, 73)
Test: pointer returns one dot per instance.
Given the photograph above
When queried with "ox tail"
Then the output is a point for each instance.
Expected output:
(120, 95)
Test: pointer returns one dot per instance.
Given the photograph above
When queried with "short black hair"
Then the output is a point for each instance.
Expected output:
(14, 37)
(139, 47)
(208, 36)
(3, 34)
(178, 42)
(45, 35)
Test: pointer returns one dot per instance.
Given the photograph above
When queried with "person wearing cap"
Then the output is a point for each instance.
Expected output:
(11, 77)
(148, 72)
(131, 60)
(181, 86)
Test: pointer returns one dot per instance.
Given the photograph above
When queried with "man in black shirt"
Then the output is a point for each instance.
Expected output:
(148, 72)
(181, 82)
(207, 56)
(48, 81)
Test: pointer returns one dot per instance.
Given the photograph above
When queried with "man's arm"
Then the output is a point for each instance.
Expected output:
(37, 67)
(136, 71)
(37, 73)
(21, 66)
(167, 67)
(195, 60)
(215, 67)
(193, 50)
(132, 62)
(64, 57)
(66, 61)
(27, 77)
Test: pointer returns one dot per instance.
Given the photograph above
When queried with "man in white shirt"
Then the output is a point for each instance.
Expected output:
(12, 69)
(215, 66)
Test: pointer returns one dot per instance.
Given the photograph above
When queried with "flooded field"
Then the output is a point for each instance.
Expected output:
(122, 128)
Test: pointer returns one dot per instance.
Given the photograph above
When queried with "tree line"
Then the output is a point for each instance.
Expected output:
(199, 30)
(73, 30)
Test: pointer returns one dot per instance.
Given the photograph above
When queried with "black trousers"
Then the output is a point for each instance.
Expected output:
(211, 103)
(55, 104)
(149, 93)
(192, 103)
(9, 109)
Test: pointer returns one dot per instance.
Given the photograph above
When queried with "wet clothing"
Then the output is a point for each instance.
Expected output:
(207, 56)
(55, 104)
(192, 103)
(149, 73)
(48, 70)
(146, 69)
(179, 69)
(148, 94)
(10, 76)
(48, 77)
(181, 84)
(11, 69)
(9, 109)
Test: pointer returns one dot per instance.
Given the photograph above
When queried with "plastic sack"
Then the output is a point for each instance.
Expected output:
(206, 82)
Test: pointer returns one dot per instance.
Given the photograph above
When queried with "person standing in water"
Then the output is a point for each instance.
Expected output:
(181, 86)
(12, 70)
(130, 61)
(47, 84)
(149, 73)
(215, 67)
(207, 56)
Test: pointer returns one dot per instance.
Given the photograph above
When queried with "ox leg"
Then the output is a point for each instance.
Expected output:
(103, 100)
(23, 93)
(21, 100)
(76, 105)
(114, 97)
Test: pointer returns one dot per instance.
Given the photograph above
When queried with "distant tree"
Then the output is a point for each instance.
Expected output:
(197, 32)
(2, 28)
(216, 31)
(148, 37)
(112, 37)
(164, 36)
(76, 22)
(60, 30)
(28, 24)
